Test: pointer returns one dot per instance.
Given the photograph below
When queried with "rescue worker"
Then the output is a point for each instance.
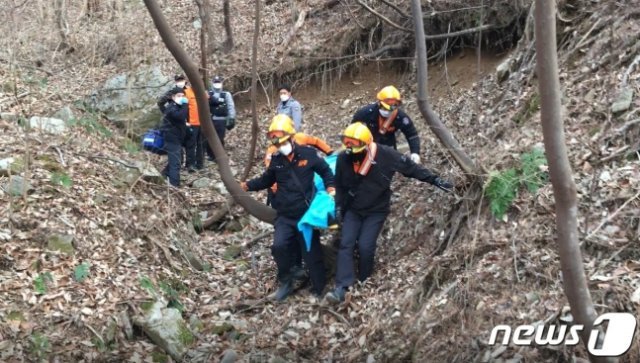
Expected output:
(194, 144)
(293, 167)
(364, 172)
(289, 106)
(282, 123)
(174, 130)
(384, 118)
(180, 83)
(223, 112)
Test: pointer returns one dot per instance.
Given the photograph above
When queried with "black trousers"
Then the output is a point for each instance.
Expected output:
(297, 252)
(198, 147)
(189, 144)
(363, 232)
(221, 129)
(287, 243)
(174, 160)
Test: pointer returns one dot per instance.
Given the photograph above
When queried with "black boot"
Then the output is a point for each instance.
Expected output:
(299, 273)
(336, 296)
(285, 289)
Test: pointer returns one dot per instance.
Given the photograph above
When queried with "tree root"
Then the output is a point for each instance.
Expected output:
(219, 214)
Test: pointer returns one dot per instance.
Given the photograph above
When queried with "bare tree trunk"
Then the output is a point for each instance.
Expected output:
(93, 8)
(254, 92)
(226, 10)
(255, 208)
(211, 31)
(574, 280)
(117, 7)
(203, 13)
(479, 65)
(432, 119)
(61, 23)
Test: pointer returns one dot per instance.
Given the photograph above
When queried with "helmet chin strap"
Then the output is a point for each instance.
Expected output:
(357, 150)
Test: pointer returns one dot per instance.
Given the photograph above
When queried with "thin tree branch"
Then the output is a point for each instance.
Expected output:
(396, 8)
(433, 13)
(257, 238)
(458, 33)
(430, 117)
(383, 18)
(611, 216)
(292, 33)
(217, 216)
(625, 77)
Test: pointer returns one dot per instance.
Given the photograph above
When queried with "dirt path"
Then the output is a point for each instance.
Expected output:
(459, 72)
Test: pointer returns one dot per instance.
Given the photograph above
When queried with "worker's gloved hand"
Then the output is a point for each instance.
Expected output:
(415, 158)
(244, 186)
(337, 220)
(230, 123)
(443, 184)
(332, 192)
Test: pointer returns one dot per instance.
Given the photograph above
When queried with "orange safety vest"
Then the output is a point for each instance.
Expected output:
(194, 118)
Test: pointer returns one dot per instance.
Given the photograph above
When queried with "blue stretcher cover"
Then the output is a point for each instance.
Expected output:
(322, 206)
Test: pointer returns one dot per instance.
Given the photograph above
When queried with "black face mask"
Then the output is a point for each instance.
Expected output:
(356, 157)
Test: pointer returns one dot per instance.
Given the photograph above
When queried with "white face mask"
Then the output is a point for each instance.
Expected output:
(286, 149)
(181, 84)
(384, 113)
(217, 85)
(284, 98)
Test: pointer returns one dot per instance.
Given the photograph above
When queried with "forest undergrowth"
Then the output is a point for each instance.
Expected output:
(95, 240)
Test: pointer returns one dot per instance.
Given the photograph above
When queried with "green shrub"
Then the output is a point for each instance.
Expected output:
(61, 179)
(81, 272)
(172, 295)
(501, 190)
(40, 346)
(170, 288)
(502, 187)
(196, 220)
(147, 284)
(532, 174)
(130, 146)
(40, 282)
(91, 123)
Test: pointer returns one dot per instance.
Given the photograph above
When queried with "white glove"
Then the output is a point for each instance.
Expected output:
(415, 158)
